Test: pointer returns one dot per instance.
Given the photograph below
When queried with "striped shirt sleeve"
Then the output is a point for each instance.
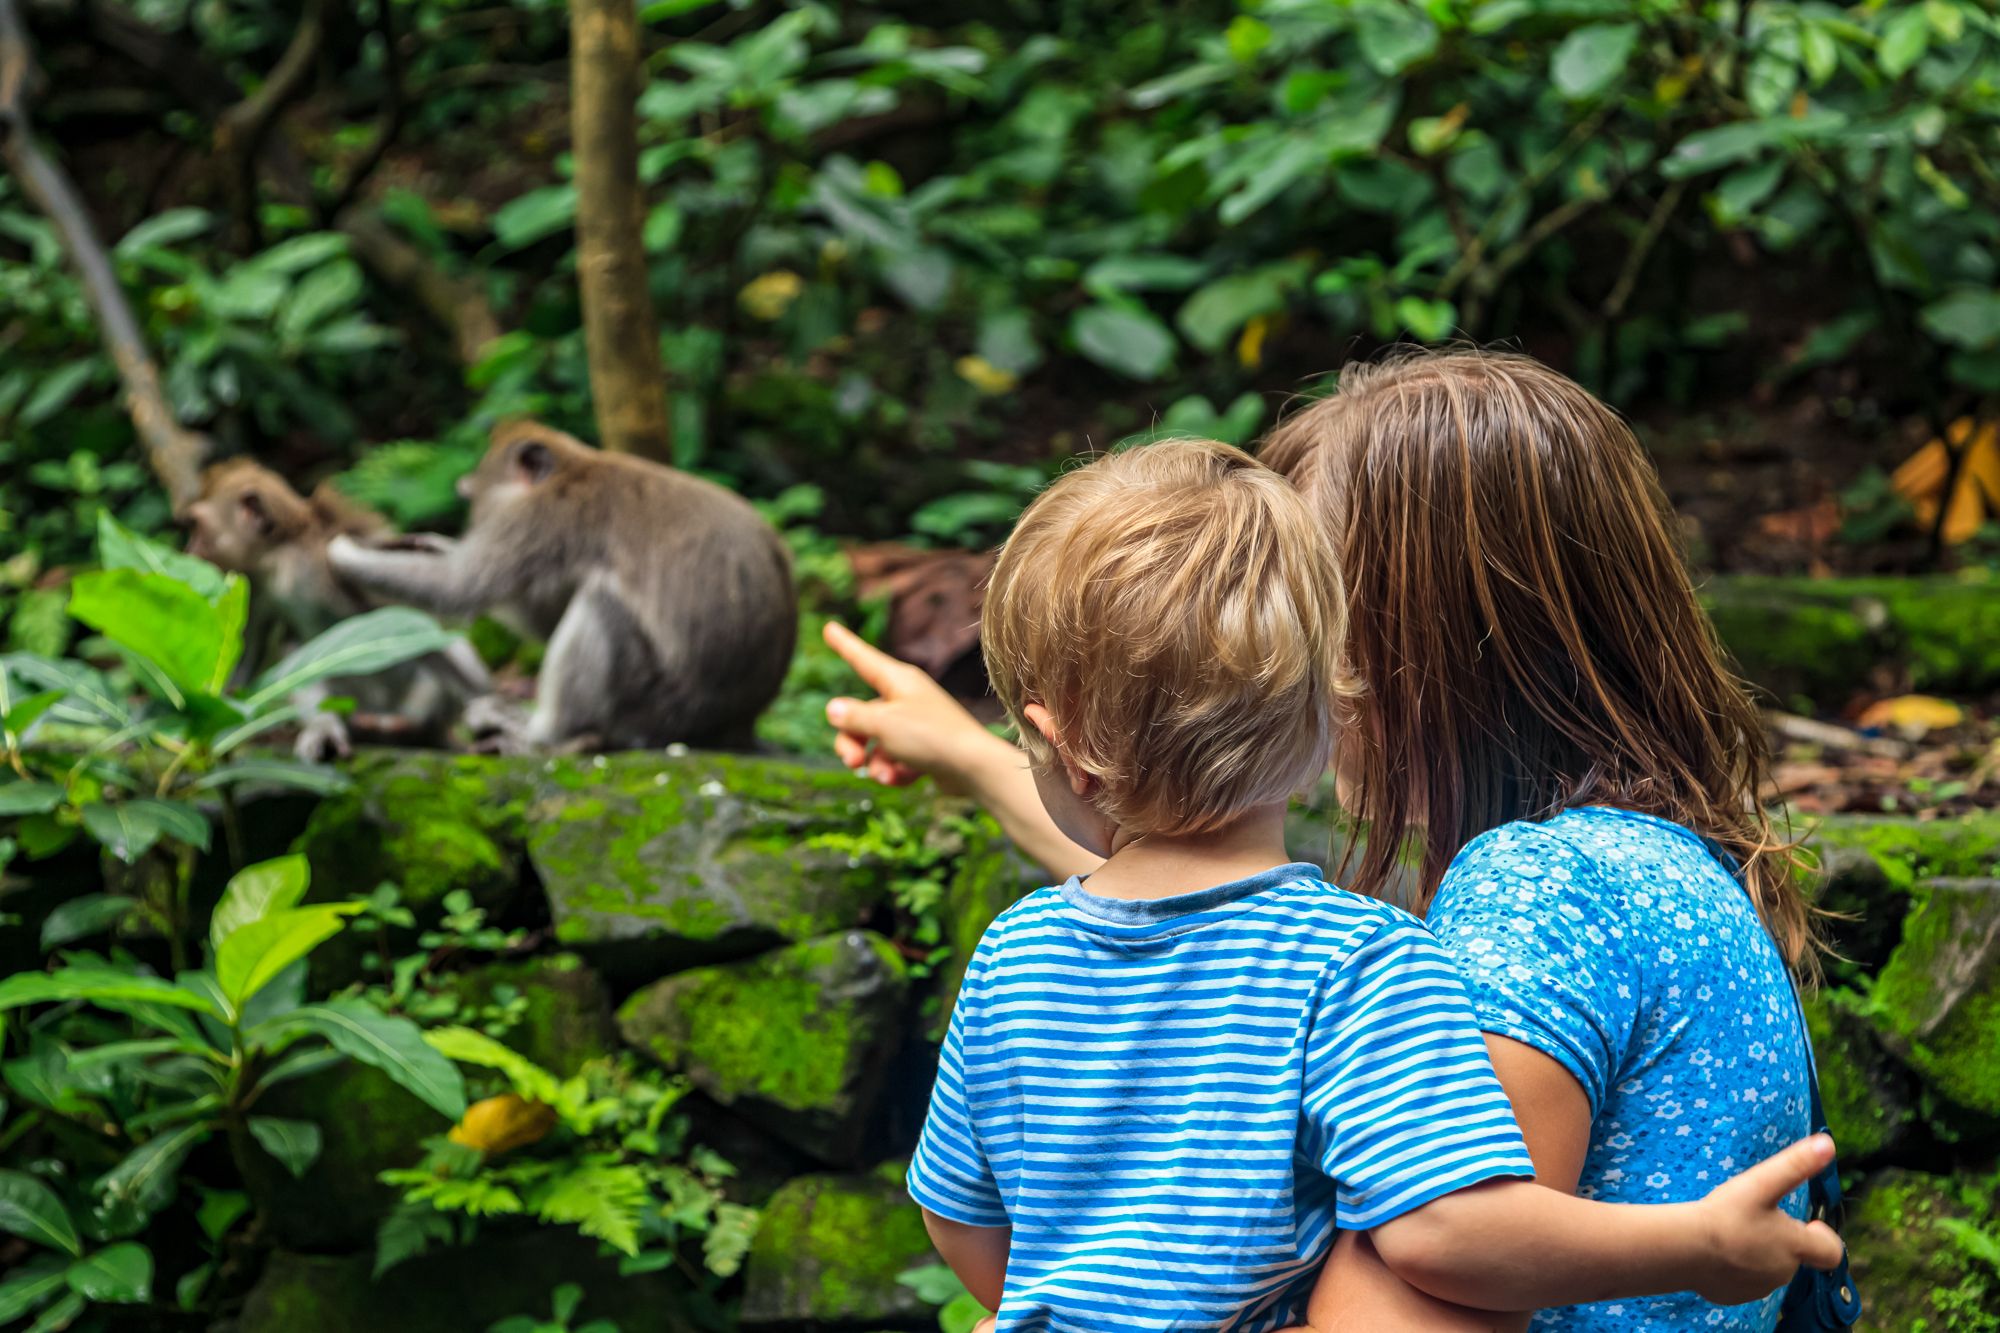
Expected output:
(1401, 1103)
(949, 1173)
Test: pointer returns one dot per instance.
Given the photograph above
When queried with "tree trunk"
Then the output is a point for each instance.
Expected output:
(175, 453)
(627, 382)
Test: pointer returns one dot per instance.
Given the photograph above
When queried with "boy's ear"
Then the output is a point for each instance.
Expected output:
(1080, 782)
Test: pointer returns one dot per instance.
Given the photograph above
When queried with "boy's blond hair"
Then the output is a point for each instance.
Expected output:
(1178, 611)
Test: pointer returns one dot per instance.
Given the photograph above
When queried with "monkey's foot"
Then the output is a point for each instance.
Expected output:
(322, 739)
(498, 726)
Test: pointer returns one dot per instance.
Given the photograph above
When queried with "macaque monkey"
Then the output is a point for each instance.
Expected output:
(666, 600)
(250, 521)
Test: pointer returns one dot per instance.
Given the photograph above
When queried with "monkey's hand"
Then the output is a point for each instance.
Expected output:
(423, 543)
(323, 739)
(498, 726)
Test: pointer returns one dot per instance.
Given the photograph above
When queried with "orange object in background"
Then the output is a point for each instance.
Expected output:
(1922, 477)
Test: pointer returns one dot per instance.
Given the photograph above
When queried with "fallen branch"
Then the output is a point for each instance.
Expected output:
(1830, 736)
(174, 452)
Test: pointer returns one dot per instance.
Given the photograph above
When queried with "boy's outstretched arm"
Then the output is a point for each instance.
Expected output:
(977, 1254)
(1514, 1245)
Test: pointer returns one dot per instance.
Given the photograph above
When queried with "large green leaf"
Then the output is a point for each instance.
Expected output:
(120, 1274)
(472, 1047)
(29, 1209)
(394, 1045)
(1123, 338)
(256, 891)
(355, 647)
(82, 917)
(316, 778)
(1211, 316)
(1592, 57)
(1395, 36)
(118, 547)
(101, 985)
(29, 798)
(192, 641)
(254, 953)
(88, 699)
(149, 1175)
(28, 1287)
(128, 828)
(295, 1143)
(1968, 318)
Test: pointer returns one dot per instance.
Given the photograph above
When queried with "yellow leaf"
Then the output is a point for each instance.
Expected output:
(1250, 345)
(1976, 497)
(770, 295)
(1912, 715)
(984, 376)
(501, 1123)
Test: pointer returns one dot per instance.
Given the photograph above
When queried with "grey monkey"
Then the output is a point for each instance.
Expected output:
(666, 600)
(250, 521)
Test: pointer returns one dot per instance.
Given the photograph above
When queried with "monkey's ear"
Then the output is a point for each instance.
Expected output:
(255, 512)
(535, 460)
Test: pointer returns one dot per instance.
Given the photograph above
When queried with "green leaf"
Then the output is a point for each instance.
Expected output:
(192, 641)
(1394, 37)
(60, 1315)
(600, 1198)
(101, 985)
(319, 295)
(1427, 321)
(24, 713)
(393, 1045)
(53, 394)
(164, 230)
(921, 276)
(256, 891)
(468, 1046)
(962, 1313)
(1212, 316)
(1290, 159)
(530, 217)
(29, 798)
(1705, 150)
(80, 918)
(29, 1209)
(292, 773)
(1969, 317)
(256, 952)
(128, 828)
(1819, 51)
(1905, 38)
(1592, 57)
(934, 1284)
(119, 1274)
(28, 1287)
(1141, 273)
(1740, 192)
(149, 1175)
(118, 547)
(1124, 339)
(358, 646)
(295, 1143)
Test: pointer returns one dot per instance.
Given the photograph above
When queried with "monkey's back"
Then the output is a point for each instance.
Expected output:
(710, 589)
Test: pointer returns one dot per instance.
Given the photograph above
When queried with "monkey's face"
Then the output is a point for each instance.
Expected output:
(509, 471)
(243, 513)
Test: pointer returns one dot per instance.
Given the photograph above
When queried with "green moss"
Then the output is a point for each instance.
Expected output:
(1939, 995)
(830, 1248)
(1867, 1104)
(568, 1020)
(1912, 1271)
(1819, 637)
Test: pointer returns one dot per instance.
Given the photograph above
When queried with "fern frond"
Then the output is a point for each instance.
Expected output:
(599, 1198)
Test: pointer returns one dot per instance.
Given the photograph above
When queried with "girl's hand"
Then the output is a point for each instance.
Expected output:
(1752, 1245)
(913, 728)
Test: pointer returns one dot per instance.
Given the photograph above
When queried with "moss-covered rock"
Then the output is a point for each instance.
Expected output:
(367, 1125)
(795, 1039)
(1870, 864)
(657, 862)
(829, 1251)
(1823, 639)
(568, 1020)
(1938, 998)
(1866, 1094)
(458, 1290)
(989, 876)
(1905, 1236)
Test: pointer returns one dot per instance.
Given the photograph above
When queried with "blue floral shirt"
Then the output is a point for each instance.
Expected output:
(1617, 945)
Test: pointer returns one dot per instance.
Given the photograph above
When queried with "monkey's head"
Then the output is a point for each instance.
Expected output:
(245, 510)
(524, 456)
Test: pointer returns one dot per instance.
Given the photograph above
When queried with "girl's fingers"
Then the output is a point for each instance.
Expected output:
(852, 751)
(1773, 1179)
(1821, 1247)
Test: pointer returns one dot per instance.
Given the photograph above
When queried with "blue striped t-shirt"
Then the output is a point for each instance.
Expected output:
(1175, 1102)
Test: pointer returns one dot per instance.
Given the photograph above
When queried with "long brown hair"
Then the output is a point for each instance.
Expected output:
(1522, 623)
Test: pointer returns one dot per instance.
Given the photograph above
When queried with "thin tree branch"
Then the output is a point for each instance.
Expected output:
(242, 129)
(1475, 254)
(174, 452)
(390, 123)
(1635, 262)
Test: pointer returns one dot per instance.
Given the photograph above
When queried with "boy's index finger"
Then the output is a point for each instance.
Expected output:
(870, 663)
